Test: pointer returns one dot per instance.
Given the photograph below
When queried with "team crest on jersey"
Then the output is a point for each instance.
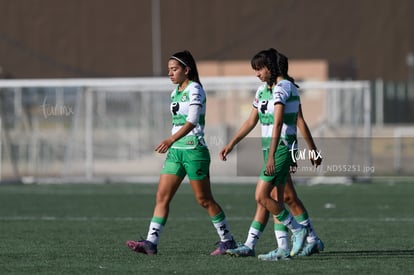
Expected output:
(184, 98)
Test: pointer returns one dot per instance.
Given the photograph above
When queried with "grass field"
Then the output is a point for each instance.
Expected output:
(82, 229)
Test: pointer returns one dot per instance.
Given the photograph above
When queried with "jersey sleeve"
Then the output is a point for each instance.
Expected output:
(280, 93)
(256, 98)
(197, 95)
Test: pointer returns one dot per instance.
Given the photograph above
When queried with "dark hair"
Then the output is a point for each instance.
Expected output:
(276, 62)
(282, 64)
(185, 59)
(263, 59)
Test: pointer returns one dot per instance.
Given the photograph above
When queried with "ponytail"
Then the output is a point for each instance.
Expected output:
(283, 67)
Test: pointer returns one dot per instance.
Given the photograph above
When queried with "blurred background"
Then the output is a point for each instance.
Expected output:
(84, 94)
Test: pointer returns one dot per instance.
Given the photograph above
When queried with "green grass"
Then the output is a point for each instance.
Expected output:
(82, 229)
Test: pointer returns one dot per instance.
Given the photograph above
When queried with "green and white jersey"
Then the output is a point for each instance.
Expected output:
(286, 93)
(193, 94)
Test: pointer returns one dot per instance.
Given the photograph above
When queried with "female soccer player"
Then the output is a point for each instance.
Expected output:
(313, 243)
(187, 155)
(271, 67)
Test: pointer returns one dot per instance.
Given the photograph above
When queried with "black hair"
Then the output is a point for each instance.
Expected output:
(185, 59)
(264, 59)
(276, 62)
(282, 65)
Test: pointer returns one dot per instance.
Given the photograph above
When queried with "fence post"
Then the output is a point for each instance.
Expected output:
(379, 102)
(89, 134)
(367, 123)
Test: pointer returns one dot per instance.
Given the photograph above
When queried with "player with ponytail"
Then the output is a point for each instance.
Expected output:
(188, 155)
(276, 101)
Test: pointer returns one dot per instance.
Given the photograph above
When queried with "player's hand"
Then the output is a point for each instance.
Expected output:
(164, 146)
(293, 168)
(270, 166)
(225, 151)
(316, 161)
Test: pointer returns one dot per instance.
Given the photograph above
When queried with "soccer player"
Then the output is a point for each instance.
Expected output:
(187, 155)
(271, 67)
(313, 243)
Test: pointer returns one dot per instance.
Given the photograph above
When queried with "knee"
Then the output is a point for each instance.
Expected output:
(204, 202)
(292, 201)
(162, 199)
(260, 199)
(288, 199)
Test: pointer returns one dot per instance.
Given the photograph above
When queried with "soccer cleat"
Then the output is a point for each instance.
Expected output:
(275, 255)
(143, 246)
(312, 248)
(298, 240)
(223, 246)
(241, 251)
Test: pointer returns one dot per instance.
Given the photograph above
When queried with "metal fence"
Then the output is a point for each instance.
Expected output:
(56, 130)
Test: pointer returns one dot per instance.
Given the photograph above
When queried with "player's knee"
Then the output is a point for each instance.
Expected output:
(288, 199)
(162, 199)
(204, 202)
(260, 199)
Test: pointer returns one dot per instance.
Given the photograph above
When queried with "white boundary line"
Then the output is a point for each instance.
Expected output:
(89, 219)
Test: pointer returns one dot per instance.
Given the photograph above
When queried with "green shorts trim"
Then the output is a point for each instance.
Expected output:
(192, 162)
(283, 161)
